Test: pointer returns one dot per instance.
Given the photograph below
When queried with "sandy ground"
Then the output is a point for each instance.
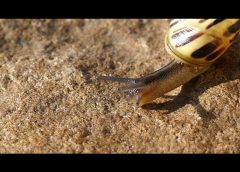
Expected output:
(51, 102)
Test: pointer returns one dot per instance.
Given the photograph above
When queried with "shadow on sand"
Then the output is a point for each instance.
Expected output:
(226, 69)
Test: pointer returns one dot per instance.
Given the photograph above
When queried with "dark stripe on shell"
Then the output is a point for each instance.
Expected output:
(205, 50)
(214, 55)
(235, 27)
(202, 20)
(172, 24)
(235, 36)
(190, 39)
(214, 23)
(181, 33)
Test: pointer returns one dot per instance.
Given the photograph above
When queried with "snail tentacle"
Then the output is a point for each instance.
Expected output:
(148, 88)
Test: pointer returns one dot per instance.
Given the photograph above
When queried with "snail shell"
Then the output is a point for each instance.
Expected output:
(200, 42)
(195, 44)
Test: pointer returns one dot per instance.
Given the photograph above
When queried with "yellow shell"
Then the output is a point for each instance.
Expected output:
(200, 42)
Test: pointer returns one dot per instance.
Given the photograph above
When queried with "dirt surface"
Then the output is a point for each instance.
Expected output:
(51, 102)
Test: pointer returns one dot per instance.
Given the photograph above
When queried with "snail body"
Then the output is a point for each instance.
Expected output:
(195, 44)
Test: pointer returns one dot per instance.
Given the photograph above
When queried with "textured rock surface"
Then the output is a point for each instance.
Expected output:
(51, 102)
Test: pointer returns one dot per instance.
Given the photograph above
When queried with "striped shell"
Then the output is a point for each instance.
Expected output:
(200, 42)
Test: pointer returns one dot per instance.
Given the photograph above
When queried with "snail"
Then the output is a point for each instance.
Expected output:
(194, 44)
